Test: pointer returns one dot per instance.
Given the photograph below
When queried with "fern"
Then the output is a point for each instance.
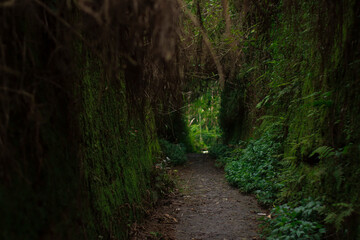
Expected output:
(324, 152)
(337, 218)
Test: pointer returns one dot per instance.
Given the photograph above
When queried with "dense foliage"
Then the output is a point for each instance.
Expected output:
(299, 69)
(220, 151)
(175, 153)
(298, 222)
(202, 117)
(256, 168)
(293, 64)
(88, 86)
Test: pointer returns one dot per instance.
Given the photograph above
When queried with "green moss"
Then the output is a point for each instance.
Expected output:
(117, 153)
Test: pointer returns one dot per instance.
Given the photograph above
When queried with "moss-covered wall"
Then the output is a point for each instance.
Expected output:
(302, 71)
(77, 175)
(117, 153)
(77, 130)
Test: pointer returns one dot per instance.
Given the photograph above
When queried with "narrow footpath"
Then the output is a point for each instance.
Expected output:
(206, 207)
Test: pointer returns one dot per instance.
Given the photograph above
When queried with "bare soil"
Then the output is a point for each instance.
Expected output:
(205, 207)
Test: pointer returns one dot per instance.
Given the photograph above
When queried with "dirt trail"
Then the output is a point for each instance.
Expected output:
(206, 207)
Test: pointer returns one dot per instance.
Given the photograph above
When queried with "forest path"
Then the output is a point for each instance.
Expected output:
(206, 207)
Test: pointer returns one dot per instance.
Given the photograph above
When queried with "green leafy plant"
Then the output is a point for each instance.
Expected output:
(175, 153)
(255, 168)
(324, 152)
(221, 152)
(162, 180)
(293, 223)
(337, 218)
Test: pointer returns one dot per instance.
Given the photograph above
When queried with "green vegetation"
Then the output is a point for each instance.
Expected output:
(256, 168)
(220, 152)
(298, 222)
(175, 153)
(293, 65)
(271, 88)
(202, 115)
(172, 126)
(300, 74)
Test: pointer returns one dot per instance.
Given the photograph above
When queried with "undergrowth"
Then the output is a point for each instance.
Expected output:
(175, 153)
(255, 168)
(162, 180)
(221, 152)
(302, 221)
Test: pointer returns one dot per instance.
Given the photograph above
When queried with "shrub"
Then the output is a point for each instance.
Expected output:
(221, 152)
(293, 223)
(175, 153)
(255, 169)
